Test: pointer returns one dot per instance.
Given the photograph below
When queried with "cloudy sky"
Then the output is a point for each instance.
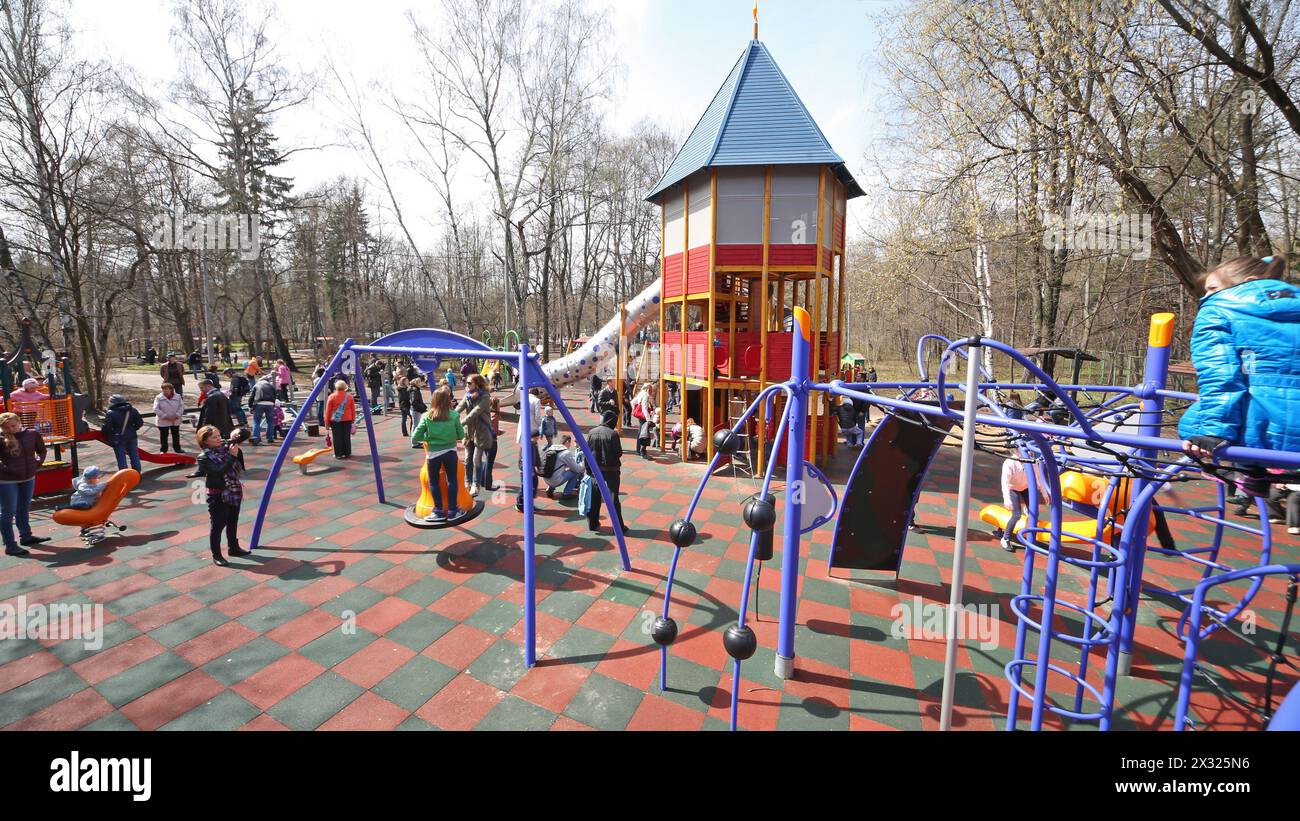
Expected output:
(674, 53)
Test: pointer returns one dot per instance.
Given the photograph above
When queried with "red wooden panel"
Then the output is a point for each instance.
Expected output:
(792, 255)
(739, 255)
(839, 230)
(826, 259)
(740, 364)
(673, 275)
(672, 354)
(697, 270)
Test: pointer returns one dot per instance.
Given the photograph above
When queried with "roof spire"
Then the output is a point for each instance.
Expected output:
(755, 19)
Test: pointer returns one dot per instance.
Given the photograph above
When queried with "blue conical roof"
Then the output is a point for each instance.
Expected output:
(756, 118)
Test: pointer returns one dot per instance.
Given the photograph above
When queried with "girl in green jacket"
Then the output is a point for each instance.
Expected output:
(439, 431)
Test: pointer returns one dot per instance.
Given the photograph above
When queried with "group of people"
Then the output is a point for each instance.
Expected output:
(561, 465)
(1243, 344)
(638, 408)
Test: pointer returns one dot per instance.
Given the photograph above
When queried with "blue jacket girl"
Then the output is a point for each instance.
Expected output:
(1246, 350)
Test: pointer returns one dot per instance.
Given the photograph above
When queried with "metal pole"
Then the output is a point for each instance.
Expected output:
(526, 490)
(791, 521)
(287, 443)
(1155, 377)
(960, 528)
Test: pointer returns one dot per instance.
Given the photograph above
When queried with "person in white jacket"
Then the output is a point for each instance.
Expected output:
(168, 408)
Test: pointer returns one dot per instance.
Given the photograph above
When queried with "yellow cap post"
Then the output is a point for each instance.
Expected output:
(804, 321)
(1162, 330)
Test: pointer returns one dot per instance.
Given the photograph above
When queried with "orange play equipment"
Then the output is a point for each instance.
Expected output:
(94, 521)
(469, 507)
(1084, 489)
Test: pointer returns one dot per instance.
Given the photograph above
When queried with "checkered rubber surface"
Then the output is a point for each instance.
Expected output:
(347, 618)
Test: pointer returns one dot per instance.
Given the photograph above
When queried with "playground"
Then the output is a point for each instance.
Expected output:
(766, 571)
(439, 625)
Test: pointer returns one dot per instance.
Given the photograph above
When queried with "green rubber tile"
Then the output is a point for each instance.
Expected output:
(14, 649)
(580, 645)
(134, 603)
(421, 629)
(490, 528)
(95, 578)
(416, 723)
(245, 660)
(513, 713)
(501, 665)
(730, 569)
(415, 682)
(188, 626)
(886, 703)
(810, 713)
(824, 647)
(29, 584)
(336, 645)
(604, 703)
(172, 570)
(38, 694)
(629, 591)
(693, 685)
(316, 702)
(715, 725)
(145, 677)
(379, 541)
(366, 569)
(496, 617)
(566, 604)
(656, 553)
(357, 600)
(490, 583)
(429, 563)
(426, 591)
(826, 592)
(295, 578)
(114, 722)
(273, 614)
(329, 528)
(72, 651)
(227, 711)
(225, 588)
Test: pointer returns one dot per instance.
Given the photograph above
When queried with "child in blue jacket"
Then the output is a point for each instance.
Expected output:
(1246, 350)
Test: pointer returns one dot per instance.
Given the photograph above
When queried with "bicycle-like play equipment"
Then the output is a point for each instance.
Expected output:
(1102, 455)
(429, 346)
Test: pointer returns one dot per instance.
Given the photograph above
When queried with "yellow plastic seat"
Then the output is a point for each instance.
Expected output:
(1073, 531)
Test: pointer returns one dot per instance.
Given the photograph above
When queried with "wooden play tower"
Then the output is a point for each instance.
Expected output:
(753, 221)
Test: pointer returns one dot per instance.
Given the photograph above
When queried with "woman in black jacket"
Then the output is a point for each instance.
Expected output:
(21, 455)
(220, 463)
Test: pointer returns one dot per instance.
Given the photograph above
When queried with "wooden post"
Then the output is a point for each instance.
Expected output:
(663, 315)
(710, 326)
(832, 366)
(817, 317)
(686, 260)
(764, 311)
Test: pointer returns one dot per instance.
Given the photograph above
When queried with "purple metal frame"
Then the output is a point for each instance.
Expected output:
(530, 376)
(1121, 564)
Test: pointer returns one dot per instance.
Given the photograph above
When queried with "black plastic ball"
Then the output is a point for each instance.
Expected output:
(682, 533)
(740, 642)
(664, 631)
(759, 513)
(726, 442)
